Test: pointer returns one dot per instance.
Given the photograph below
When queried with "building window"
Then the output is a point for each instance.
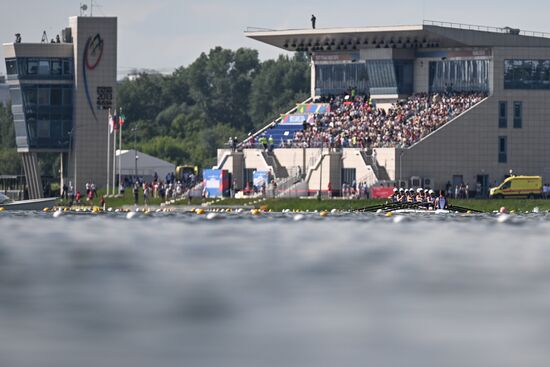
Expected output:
(518, 115)
(11, 67)
(502, 149)
(56, 97)
(43, 67)
(503, 115)
(44, 96)
(32, 67)
(527, 74)
(57, 67)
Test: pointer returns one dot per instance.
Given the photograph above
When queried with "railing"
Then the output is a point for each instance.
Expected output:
(271, 124)
(472, 27)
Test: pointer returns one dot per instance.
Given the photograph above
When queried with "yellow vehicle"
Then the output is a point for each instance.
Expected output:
(518, 186)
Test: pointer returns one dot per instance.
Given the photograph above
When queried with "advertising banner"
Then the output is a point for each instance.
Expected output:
(381, 192)
(295, 119)
(216, 182)
(260, 178)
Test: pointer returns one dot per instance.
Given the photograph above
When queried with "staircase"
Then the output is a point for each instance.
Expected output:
(278, 170)
(32, 173)
(379, 171)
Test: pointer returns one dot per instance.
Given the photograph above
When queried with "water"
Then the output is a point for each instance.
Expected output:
(348, 290)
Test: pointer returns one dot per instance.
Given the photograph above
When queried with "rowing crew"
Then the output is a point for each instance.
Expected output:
(421, 196)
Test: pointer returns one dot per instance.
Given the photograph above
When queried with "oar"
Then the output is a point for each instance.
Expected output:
(463, 210)
(377, 207)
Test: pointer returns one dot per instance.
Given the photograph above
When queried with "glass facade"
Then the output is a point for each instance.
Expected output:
(373, 76)
(527, 74)
(39, 68)
(459, 76)
(43, 112)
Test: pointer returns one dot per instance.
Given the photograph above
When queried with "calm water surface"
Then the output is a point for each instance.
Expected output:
(349, 290)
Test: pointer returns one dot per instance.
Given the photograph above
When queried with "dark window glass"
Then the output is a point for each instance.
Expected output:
(44, 96)
(56, 97)
(67, 68)
(44, 67)
(502, 149)
(57, 67)
(506, 186)
(32, 67)
(43, 129)
(518, 115)
(338, 78)
(57, 129)
(459, 76)
(527, 74)
(503, 115)
(30, 96)
(67, 96)
(11, 67)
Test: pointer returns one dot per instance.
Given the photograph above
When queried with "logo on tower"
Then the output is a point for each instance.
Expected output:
(93, 51)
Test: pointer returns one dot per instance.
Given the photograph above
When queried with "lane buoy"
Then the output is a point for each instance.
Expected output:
(323, 214)
(299, 217)
(389, 214)
(131, 215)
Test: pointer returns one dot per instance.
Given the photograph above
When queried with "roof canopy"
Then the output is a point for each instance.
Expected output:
(428, 35)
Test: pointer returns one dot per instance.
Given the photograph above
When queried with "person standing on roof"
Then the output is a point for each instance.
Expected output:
(313, 21)
(271, 143)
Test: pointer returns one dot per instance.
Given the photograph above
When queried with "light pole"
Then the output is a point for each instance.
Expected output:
(321, 173)
(134, 130)
(401, 167)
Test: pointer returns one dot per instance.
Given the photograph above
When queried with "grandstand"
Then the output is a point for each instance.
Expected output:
(432, 105)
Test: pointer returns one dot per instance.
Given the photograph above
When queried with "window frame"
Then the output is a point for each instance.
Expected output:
(518, 117)
(503, 118)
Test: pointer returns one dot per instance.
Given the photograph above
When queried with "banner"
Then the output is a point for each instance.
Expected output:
(216, 182)
(295, 119)
(381, 192)
(313, 108)
(260, 178)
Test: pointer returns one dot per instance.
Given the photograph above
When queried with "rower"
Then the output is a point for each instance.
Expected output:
(410, 196)
(394, 197)
(419, 197)
(441, 202)
(403, 196)
(430, 197)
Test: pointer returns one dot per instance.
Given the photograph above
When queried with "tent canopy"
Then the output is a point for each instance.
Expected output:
(146, 165)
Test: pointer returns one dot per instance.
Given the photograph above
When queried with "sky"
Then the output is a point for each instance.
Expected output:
(166, 34)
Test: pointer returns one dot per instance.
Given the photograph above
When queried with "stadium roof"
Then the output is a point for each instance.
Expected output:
(430, 34)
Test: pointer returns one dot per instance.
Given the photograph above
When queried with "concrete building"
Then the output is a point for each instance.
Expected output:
(61, 93)
(508, 130)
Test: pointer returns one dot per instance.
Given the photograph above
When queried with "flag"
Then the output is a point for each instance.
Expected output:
(121, 119)
(111, 123)
(115, 122)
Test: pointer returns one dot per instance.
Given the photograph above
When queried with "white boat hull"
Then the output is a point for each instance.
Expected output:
(37, 204)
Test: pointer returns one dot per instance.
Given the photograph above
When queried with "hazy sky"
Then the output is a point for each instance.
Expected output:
(165, 34)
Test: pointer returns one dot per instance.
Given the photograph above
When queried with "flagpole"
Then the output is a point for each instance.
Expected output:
(114, 151)
(120, 149)
(108, 151)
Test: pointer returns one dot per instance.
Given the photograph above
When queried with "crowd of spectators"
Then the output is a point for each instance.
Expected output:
(357, 122)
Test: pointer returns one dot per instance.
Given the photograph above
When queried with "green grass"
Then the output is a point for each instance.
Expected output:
(277, 205)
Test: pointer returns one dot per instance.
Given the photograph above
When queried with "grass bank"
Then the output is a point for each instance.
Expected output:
(483, 205)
